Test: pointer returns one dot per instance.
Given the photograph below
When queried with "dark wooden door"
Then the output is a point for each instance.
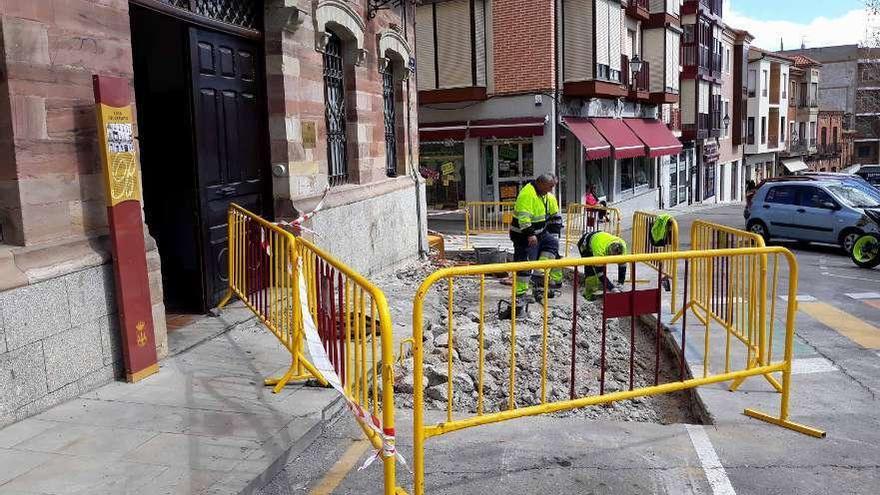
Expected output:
(229, 122)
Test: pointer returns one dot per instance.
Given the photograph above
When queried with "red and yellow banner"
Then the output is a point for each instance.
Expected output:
(123, 192)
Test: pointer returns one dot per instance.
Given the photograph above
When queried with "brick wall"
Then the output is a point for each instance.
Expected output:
(523, 45)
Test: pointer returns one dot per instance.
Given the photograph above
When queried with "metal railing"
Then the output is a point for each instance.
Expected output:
(642, 380)
(583, 219)
(307, 298)
(487, 217)
(643, 222)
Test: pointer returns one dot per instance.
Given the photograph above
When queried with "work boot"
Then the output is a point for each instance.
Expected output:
(667, 285)
(538, 294)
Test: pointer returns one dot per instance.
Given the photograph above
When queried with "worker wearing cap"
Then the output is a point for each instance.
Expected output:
(601, 244)
(535, 230)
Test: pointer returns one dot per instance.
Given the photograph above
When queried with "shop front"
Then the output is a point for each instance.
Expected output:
(619, 159)
(480, 160)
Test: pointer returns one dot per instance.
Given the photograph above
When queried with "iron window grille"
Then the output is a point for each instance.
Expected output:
(242, 13)
(390, 121)
(334, 100)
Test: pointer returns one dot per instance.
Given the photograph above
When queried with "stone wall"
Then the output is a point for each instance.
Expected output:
(58, 323)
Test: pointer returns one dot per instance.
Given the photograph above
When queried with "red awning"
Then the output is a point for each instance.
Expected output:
(507, 128)
(658, 139)
(595, 146)
(624, 143)
(441, 131)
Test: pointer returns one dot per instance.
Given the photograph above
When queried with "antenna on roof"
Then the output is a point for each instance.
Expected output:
(781, 45)
(803, 42)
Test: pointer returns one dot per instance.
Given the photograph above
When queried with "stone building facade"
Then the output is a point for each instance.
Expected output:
(58, 320)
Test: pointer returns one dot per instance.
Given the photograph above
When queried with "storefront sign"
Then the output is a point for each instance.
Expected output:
(122, 186)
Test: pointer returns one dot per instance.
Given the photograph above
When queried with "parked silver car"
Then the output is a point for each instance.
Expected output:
(826, 211)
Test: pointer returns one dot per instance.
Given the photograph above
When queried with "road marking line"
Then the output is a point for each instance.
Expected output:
(863, 295)
(800, 298)
(855, 329)
(342, 467)
(715, 473)
(806, 366)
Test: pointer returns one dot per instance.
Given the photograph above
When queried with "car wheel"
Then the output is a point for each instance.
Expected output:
(758, 227)
(848, 239)
(866, 251)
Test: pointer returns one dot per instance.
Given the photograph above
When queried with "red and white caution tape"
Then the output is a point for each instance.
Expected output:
(298, 222)
(322, 363)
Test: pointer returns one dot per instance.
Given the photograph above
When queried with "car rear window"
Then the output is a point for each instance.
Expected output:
(786, 195)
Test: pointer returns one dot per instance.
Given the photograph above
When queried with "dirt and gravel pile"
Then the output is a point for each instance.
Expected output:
(529, 344)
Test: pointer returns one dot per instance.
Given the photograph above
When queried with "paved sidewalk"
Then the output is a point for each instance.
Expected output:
(204, 424)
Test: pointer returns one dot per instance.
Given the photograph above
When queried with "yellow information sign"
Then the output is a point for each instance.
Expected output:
(116, 139)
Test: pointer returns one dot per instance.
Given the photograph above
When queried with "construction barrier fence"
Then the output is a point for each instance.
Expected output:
(583, 219)
(643, 222)
(725, 291)
(630, 302)
(307, 298)
(487, 217)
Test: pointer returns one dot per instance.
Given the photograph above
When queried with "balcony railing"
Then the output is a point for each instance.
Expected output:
(713, 6)
(806, 102)
(802, 145)
(830, 149)
(641, 82)
(702, 57)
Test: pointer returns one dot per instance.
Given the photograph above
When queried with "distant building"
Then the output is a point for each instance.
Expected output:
(851, 84)
(767, 87)
(803, 114)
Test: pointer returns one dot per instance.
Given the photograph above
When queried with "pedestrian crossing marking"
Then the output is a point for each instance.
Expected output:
(806, 366)
(855, 329)
(859, 296)
(800, 298)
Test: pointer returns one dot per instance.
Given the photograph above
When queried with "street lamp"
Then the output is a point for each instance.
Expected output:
(726, 120)
(635, 66)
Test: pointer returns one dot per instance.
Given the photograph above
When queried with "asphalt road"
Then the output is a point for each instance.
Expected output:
(836, 388)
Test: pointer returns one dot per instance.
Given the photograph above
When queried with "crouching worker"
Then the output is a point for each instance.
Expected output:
(601, 244)
(534, 232)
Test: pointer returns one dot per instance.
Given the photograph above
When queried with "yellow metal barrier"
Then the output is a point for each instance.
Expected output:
(259, 254)
(641, 244)
(614, 305)
(728, 295)
(279, 276)
(582, 219)
(487, 217)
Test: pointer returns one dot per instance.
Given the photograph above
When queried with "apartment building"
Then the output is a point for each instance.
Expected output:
(834, 145)
(486, 81)
(512, 89)
(767, 89)
(803, 114)
(701, 98)
(851, 84)
(730, 182)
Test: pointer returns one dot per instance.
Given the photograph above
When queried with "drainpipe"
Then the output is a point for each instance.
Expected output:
(413, 172)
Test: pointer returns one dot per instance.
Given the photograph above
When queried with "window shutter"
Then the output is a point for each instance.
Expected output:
(578, 43)
(615, 34)
(602, 32)
(425, 47)
(480, 36)
(454, 44)
(673, 40)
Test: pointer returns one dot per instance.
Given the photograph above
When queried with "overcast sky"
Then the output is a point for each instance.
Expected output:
(814, 22)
